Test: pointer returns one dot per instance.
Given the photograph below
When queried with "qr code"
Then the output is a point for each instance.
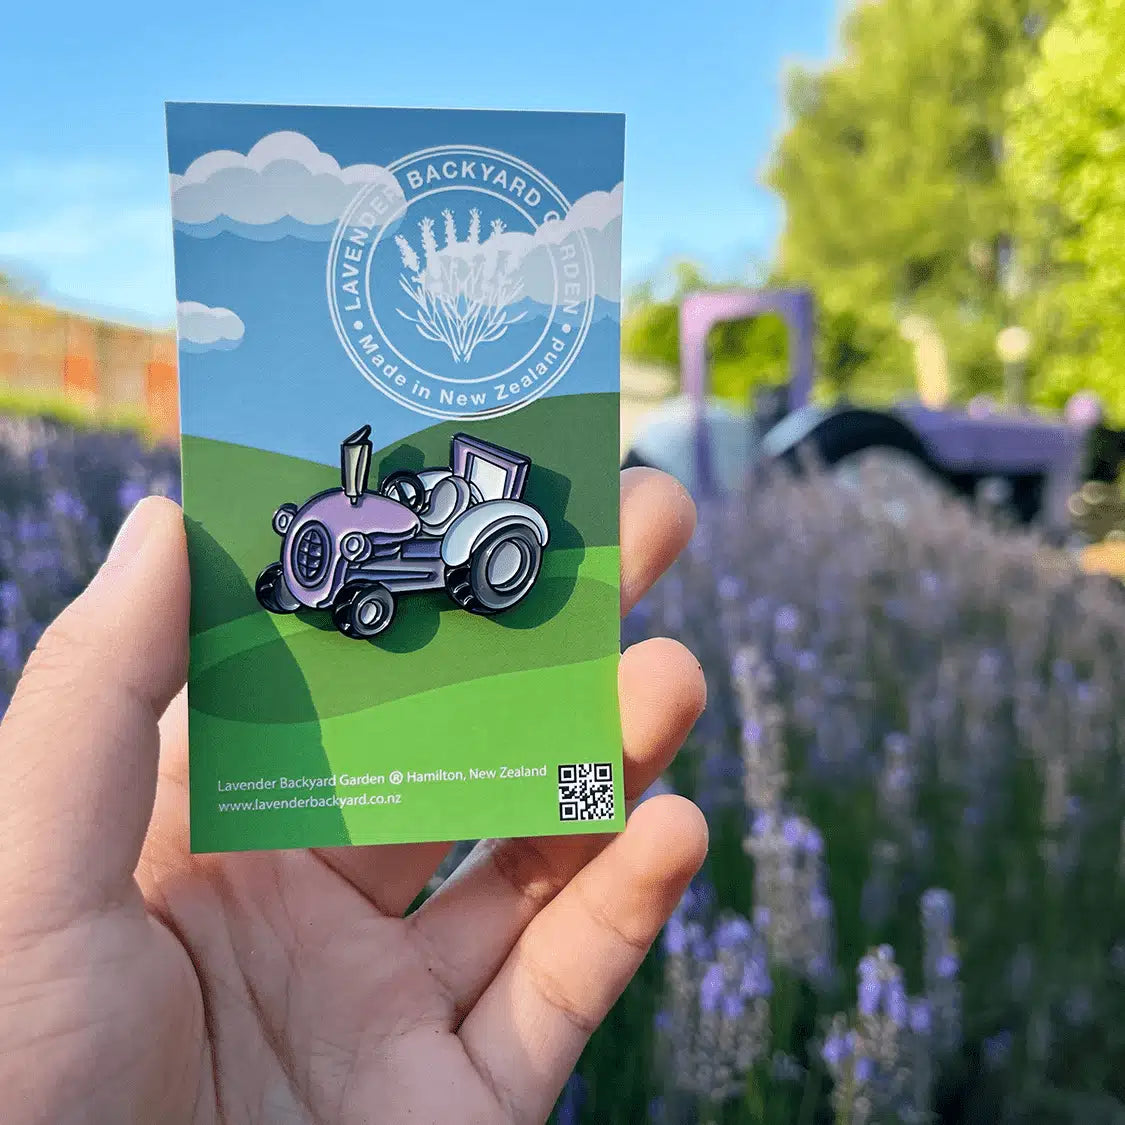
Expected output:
(586, 791)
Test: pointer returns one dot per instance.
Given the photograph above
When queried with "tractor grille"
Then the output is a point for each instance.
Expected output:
(311, 554)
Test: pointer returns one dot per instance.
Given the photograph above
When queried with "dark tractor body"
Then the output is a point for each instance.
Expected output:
(464, 529)
(1038, 463)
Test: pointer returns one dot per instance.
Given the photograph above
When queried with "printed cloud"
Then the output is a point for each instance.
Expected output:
(593, 213)
(597, 215)
(204, 329)
(283, 185)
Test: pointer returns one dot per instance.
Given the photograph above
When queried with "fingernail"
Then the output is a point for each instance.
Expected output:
(129, 537)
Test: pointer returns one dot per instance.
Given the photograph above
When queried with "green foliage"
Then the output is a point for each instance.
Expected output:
(890, 174)
(68, 411)
(744, 354)
(1066, 168)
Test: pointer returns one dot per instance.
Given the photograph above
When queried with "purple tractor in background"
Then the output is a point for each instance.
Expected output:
(464, 529)
(1038, 462)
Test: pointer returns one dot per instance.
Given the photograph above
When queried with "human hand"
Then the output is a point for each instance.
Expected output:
(140, 983)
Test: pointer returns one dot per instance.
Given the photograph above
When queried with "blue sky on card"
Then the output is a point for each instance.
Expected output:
(264, 363)
(83, 182)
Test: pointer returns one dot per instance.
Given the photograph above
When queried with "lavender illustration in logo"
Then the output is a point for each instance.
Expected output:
(461, 293)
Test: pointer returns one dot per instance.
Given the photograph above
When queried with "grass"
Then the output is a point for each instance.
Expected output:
(236, 665)
(520, 718)
(441, 689)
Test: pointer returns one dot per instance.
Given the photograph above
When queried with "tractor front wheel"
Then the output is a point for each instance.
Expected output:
(363, 610)
(272, 593)
(501, 570)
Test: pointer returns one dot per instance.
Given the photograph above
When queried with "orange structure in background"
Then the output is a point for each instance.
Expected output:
(103, 366)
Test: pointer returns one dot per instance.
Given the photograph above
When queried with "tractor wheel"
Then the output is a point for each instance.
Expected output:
(458, 588)
(501, 570)
(363, 610)
(272, 593)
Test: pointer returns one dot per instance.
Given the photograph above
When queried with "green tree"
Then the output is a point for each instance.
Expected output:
(890, 172)
(744, 354)
(1066, 167)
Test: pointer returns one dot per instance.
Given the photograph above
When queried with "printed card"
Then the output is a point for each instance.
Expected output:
(398, 343)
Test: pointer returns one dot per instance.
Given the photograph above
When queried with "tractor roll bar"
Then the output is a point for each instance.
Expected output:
(700, 312)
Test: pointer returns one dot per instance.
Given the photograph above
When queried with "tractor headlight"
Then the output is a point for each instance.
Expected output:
(355, 547)
(283, 518)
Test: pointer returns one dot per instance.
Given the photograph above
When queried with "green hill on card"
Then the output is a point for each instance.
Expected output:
(224, 482)
(289, 695)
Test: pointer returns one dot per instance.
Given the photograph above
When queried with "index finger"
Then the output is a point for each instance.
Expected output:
(657, 521)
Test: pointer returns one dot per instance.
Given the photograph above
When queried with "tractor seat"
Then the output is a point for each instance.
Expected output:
(448, 498)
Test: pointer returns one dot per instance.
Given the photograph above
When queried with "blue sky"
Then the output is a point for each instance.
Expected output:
(83, 167)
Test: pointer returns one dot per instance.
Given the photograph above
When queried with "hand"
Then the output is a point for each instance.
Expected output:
(139, 983)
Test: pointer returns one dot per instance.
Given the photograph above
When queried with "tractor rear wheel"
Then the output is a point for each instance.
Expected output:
(363, 610)
(501, 570)
(272, 593)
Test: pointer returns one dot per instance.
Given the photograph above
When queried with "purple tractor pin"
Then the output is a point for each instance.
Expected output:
(463, 529)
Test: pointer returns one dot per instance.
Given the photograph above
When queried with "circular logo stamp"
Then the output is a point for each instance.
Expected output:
(465, 292)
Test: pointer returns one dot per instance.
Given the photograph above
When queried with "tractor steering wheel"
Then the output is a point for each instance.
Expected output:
(405, 487)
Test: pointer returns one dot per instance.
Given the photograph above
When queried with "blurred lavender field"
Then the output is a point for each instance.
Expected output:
(64, 492)
(911, 762)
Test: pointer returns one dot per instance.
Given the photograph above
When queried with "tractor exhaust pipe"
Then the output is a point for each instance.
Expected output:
(355, 464)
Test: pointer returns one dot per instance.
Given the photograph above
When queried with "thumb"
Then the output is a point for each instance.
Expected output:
(79, 744)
